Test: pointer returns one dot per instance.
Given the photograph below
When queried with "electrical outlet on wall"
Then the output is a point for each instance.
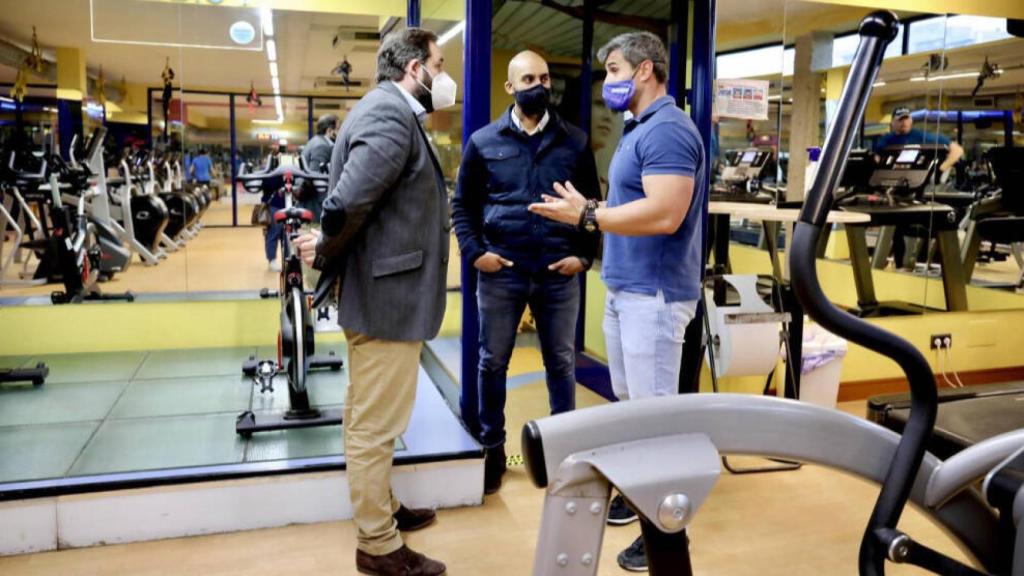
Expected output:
(940, 341)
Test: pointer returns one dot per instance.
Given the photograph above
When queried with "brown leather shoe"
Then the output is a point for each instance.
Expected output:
(412, 519)
(401, 562)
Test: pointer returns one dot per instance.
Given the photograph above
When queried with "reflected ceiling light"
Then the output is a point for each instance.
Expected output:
(878, 84)
(276, 85)
(945, 77)
(451, 33)
(267, 20)
(273, 69)
(271, 50)
(277, 120)
(5, 99)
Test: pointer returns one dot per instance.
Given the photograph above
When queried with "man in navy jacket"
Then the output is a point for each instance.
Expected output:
(522, 258)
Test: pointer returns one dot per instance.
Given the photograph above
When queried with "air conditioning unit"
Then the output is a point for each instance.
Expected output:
(985, 103)
(345, 34)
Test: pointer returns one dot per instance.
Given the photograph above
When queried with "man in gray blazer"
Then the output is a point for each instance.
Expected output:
(385, 245)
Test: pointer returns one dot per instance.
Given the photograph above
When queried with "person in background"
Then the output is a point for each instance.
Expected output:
(316, 155)
(201, 168)
(273, 197)
(902, 133)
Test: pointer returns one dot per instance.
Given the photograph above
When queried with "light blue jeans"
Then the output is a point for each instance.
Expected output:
(644, 336)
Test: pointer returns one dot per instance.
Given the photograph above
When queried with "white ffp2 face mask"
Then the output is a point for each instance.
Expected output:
(442, 90)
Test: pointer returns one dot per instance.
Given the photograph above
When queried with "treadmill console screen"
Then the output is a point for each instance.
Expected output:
(907, 156)
(748, 157)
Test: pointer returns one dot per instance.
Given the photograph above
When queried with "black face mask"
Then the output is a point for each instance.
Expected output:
(533, 101)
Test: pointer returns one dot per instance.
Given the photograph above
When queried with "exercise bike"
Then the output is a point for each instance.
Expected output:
(77, 246)
(295, 340)
(663, 454)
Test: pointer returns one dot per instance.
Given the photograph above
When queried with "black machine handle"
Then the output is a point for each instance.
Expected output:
(877, 30)
(281, 171)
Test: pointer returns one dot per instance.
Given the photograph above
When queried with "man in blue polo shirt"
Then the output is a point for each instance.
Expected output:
(652, 242)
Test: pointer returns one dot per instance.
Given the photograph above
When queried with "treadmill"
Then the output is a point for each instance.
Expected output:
(966, 415)
(999, 218)
(894, 186)
(743, 173)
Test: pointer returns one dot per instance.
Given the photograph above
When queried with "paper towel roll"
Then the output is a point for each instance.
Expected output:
(748, 348)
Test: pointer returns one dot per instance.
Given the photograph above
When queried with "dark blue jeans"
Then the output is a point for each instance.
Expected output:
(273, 235)
(502, 298)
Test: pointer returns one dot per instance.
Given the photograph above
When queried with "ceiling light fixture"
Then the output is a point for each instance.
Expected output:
(276, 84)
(878, 84)
(451, 33)
(272, 50)
(267, 20)
(273, 69)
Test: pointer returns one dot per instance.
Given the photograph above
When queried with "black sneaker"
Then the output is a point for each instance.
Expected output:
(634, 558)
(619, 514)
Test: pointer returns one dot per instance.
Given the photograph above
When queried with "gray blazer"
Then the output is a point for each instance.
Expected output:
(385, 223)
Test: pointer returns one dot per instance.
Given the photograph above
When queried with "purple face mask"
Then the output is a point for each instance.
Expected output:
(617, 95)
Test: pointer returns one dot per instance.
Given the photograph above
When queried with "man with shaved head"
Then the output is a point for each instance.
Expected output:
(521, 258)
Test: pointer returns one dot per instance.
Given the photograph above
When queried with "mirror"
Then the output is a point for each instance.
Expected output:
(92, 73)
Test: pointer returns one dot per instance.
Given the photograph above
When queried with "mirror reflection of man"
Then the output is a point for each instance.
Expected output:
(902, 133)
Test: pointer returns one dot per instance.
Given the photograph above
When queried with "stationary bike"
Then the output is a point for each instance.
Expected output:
(295, 340)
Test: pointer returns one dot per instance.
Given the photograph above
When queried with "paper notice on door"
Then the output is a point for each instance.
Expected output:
(744, 99)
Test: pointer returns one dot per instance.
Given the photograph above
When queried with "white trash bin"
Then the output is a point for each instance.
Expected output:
(820, 366)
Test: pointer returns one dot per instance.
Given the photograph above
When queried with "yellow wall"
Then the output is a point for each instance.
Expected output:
(978, 341)
(136, 326)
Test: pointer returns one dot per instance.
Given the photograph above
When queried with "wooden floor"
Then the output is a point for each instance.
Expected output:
(220, 259)
(793, 523)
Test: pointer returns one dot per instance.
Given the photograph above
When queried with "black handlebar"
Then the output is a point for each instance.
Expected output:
(280, 172)
(876, 32)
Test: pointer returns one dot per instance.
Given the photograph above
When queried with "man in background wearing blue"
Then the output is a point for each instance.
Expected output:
(201, 167)
(903, 133)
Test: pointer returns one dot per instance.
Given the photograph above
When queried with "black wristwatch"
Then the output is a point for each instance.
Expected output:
(588, 217)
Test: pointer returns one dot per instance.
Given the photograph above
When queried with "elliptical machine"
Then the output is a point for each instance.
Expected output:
(663, 453)
(295, 340)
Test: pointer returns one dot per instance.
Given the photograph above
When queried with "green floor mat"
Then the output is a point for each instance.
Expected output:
(182, 396)
(12, 361)
(188, 363)
(37, 452)
(91, 367)
(58, 402)
(155, 443)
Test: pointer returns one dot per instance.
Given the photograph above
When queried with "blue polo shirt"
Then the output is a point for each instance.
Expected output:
(662, 140)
